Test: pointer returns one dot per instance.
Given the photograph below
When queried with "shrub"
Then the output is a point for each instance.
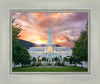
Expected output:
(39, 64)
(34, 64)
(43, 58)
(34, 59)
(49, 64)
(59, 64)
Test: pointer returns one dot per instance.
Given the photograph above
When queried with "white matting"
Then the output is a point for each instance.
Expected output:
(7, 78)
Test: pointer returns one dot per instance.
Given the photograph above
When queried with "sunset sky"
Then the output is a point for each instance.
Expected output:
(66, 27)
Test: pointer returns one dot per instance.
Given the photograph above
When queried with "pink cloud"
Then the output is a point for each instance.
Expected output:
(68, 25)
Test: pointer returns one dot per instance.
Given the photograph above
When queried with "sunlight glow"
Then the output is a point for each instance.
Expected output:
(38, 42)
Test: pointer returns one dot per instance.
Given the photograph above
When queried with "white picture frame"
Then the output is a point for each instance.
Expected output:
(50, 11)
(9, 78)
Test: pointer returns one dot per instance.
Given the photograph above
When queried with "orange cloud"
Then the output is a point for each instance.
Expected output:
(35, 26)
(40, 40)
(39, 16)
(67, 13)
(56, 15)
(22, 18)
(60, 39)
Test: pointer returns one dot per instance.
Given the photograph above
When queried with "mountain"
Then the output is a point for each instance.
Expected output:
(58, 46)
(28, 44)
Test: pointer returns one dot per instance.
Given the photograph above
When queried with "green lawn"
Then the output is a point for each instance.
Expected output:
(50, 69)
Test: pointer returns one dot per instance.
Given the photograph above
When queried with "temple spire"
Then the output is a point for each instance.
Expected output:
(50, 40)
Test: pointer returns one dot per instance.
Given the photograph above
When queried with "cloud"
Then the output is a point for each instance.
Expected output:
(66, 27)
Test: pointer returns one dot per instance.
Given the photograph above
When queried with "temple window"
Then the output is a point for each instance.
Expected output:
(49, 49)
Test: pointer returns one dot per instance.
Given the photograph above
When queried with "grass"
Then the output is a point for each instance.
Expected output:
(50, 69)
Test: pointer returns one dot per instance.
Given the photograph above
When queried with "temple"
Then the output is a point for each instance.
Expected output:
(50, 51)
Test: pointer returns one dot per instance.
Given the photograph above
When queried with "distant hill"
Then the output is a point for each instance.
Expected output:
(58, 45)
(28, 44)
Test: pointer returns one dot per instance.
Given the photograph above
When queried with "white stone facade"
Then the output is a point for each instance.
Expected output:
(50, 51)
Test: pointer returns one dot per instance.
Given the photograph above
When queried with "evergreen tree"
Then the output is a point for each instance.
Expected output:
(43, 59)
(71, 60)
(65, 59)
(34, 59)
(80, 51)
(19, 53)
(56, 59)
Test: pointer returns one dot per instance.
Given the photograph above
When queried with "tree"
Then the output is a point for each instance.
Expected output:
(25, 57)
(15, 45)
(71, 60)
(56, 59)
(20, 54)
(80, 51)
(65, 59)
(34, 59)
(43, 59)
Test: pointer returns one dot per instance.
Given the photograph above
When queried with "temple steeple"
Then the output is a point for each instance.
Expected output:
(50, 40)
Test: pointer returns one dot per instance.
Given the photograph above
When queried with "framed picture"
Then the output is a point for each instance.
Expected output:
(49, 42)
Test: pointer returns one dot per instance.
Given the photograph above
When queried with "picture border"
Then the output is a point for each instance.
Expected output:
(49, 11)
